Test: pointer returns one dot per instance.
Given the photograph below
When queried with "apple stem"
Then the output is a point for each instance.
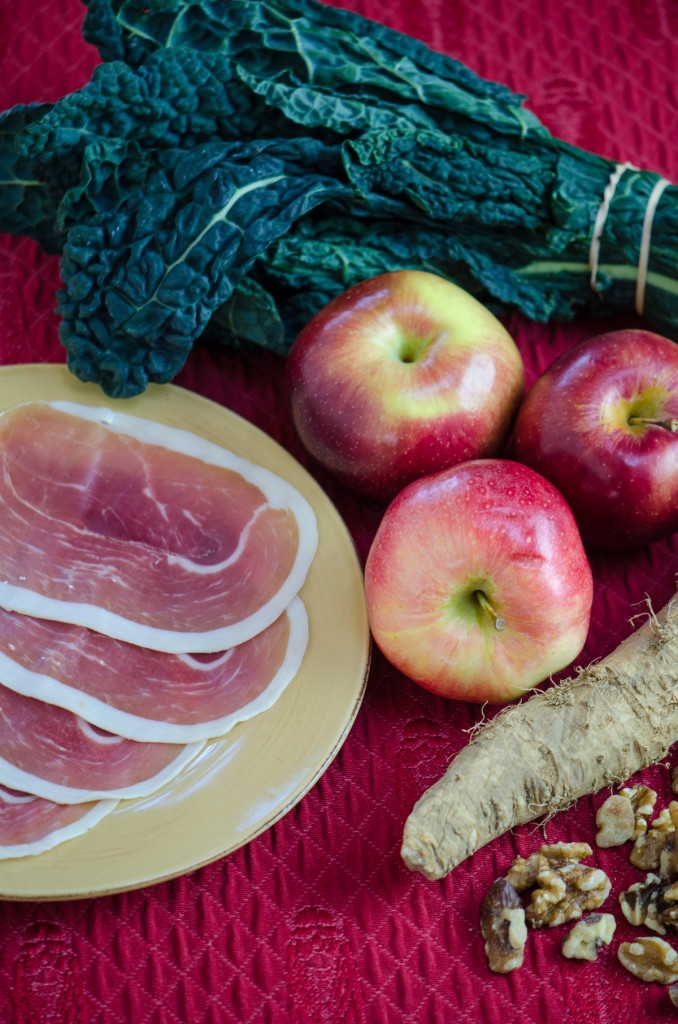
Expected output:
(487, 606)
(637, 421)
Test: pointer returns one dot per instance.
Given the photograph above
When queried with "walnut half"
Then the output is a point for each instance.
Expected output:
(587, 936)
(648, 847)
(650, 959)
(616, 821)
(642, 800)
(502, 923)
(564, 888)
(668, 858)
(642, 903)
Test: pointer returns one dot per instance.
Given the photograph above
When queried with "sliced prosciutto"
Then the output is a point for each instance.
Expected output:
(147, 533)
(55, 754)
(31, 825)
(148, 695)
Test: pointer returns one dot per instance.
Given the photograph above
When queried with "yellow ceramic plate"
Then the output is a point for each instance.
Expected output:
(240, 784)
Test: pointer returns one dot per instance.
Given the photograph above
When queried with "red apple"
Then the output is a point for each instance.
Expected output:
(477, 583)
(602, 425)
(400, 376)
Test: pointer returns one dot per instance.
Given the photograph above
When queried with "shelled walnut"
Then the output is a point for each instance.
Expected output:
(563, 887)
(650, 959)
(587, 936)
(523, 871)
(615, 820)
(502, 923)
(668, 857)
(647, 849)
(643, 903)
(670, 897)
(642, 800)
(654, 902)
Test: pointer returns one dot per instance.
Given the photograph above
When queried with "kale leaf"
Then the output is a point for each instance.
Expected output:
(27, 206)
(142, 276)
(232, 166)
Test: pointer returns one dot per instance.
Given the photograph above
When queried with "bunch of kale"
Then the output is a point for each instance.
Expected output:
(232, 166)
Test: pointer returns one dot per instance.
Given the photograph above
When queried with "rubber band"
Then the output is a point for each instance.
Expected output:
(644, 254)
(601, 217)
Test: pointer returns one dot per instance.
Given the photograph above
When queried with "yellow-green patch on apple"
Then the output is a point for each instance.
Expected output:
(601, 423)
(477, 583)
(632, 415)
(400, 376)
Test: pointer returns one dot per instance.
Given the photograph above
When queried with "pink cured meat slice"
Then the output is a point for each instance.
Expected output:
(147, 533)
(52, 753)
(30, 825)
(148, 695)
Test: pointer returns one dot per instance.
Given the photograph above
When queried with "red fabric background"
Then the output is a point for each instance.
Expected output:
(317, 921)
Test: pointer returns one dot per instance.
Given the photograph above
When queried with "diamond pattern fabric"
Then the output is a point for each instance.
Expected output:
(317, 921)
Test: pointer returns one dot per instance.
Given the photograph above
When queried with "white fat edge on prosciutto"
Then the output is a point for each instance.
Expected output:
(30, 825)
(50, 752)
(19, 779)
(279, 493)
(135, 727)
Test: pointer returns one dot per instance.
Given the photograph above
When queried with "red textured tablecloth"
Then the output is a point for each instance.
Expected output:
(317, 921)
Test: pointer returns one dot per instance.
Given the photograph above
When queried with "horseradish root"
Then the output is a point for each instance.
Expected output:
(535, 758)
